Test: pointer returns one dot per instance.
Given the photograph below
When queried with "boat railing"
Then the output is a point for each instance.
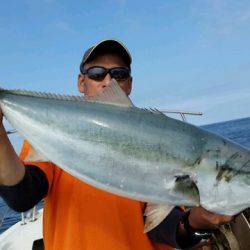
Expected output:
(30, 215)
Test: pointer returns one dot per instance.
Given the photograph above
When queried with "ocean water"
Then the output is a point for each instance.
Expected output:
(236, 130)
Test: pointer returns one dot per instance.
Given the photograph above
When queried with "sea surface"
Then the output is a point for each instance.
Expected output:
(236, 130)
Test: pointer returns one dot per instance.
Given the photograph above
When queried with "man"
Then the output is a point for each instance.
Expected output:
(77, 215)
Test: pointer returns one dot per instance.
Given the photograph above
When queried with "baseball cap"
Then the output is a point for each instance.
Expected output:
(109, 45)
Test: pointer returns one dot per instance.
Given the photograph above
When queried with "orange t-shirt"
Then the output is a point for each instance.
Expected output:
(78, 216)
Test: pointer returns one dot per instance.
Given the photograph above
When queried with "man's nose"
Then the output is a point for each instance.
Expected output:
(106, 80)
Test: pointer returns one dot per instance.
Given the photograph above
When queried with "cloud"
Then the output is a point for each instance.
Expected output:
(2, 25)
(221, 17)
(49, 1)
(206, 98)
(217, 104)
(64, 26)
(37, 4)
(120, 2)
(211, 101)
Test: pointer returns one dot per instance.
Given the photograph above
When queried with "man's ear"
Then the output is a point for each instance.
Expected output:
(81, 84)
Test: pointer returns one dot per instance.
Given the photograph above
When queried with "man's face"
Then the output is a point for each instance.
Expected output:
(91, 87)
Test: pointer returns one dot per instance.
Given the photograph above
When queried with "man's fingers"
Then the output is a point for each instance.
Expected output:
(216, 218)
(225, 218)
(200, 218)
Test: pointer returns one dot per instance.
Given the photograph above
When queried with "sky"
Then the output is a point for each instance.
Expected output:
(187, 55)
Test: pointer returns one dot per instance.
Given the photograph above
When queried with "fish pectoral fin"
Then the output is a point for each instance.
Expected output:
(155, 214)
(112, 94)
(34, 156)
(186, 187)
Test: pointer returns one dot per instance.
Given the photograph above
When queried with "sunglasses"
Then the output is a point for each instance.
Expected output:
(98, 73)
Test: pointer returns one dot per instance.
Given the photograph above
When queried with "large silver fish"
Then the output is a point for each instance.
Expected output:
(142, 154)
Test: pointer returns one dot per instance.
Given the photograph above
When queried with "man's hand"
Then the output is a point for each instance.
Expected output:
(200, 218)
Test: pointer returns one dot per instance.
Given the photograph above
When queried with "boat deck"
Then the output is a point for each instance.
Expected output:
(21, 236)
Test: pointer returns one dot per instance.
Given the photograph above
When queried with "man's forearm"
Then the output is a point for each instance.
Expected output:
(11, 168)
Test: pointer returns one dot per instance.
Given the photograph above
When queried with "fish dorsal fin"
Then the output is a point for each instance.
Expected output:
(112, 94)
(42, 95)
(154, 111)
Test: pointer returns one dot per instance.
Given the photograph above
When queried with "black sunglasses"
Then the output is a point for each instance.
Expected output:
(98, 73)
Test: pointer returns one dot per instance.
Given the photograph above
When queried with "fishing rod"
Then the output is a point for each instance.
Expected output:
(182, 113)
